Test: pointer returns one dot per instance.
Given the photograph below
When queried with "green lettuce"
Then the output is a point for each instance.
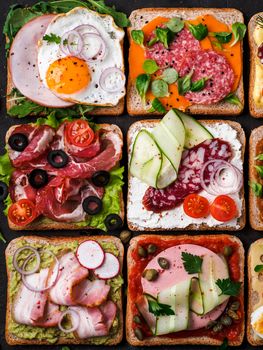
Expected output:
(6, 168)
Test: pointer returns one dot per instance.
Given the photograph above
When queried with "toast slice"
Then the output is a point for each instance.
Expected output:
(142, 16)
(46, 241)
(142, 222)
(255, 297)
(47, 224)
(255, 110)
(189, 338)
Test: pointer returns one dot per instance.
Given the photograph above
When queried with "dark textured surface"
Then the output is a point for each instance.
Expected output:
(247, 235)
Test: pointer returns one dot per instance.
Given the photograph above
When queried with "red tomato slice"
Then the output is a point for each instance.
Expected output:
(223, 208)
(22, 212)
(196, 206)
(79, 133)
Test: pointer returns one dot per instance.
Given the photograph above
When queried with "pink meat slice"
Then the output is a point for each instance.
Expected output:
(109, 310)
(23, 64)
(91, 293)
(177, 273)
(20, 188)
(212, 65)
(188, 180)
(51, 317)
(88, 152)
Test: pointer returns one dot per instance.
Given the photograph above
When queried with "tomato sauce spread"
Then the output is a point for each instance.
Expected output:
(215, 244)
(259, 150)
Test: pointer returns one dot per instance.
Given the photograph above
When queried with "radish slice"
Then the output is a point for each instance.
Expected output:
(90, 254)
(110, 267)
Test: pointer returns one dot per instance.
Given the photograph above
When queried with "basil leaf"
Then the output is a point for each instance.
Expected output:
(169, 75)
(165, 36)
(256, 188)
(259, 169)
(157, 106)
(159, 88)
(259, 157)
(150, 66)
(198, 85)
(232, 98)
(239, 30)
(223, 37)
(142, 85)
(184, 84)
(153, 41)
(175, 24)
(258, 268)
(52, 38)
(137, 36)
(199, 31)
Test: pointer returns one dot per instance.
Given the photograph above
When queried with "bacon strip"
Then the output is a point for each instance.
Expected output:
(91, 293)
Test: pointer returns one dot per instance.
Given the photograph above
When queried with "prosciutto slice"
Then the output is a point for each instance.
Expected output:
(91, 293)
(20, 188)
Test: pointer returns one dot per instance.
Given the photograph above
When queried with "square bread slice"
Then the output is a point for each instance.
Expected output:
(142, 16)
(139, 219)
(184, 338)
(13, 339)
(255, 109)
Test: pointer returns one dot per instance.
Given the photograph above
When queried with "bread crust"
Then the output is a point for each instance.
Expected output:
(44, 224)
(226, 15)
(202, 227)
(13, 340)
(195, 340)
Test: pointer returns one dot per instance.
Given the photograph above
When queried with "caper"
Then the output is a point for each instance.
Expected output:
(142, 252)
(125, 236)
(211, 324)
(150, 274)
(151, 249)
(164, 263)
(227, 250)
(261, 258)
(226, 320)
(233, 314)
(138, 333)
(218, 327)
(136, 319)
(235, 305)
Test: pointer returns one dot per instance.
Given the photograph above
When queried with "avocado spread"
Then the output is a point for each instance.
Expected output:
(52, 334)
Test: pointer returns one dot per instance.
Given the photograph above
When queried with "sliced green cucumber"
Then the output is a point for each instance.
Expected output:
(221, 273)
(195, 132)
(167, 174)
(173, 123)
(146, 158)
(196, 297)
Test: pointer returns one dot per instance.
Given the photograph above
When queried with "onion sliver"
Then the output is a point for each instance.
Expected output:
(64, 44)
(53, 277)
(22, 270)
(74, 48)
(112, 79)
(74, 319)
(94, 47)
(86, 28)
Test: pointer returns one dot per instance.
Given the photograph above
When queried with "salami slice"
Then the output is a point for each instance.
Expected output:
(188, 181)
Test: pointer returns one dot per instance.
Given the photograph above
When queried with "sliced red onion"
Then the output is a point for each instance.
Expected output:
(75, 320)
(71, 43)
(112, 79)
(22, 270)
(94, 47)
(64, 44)
(86, 28)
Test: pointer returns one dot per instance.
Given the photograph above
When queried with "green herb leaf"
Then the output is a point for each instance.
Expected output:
(52, 38)
(217, 45)
(259, 157)
(165, 36)
(256, 188)
(169, 75)
(224, 345)
(222, 37)
(259, 169)
(175, 24)
(199, 31)
(2, 238)
(239, 30)
(184, 84)
(137, 36)
(258, 268)
(159, 309)
(192, 263)
(198, 85)
(232, 98)
(150, 66)
(6, 168)
(142, 85)
(7, 203)
(157, 106)
(159, 88)
(229, 287)
(153, 41)
(65, 348)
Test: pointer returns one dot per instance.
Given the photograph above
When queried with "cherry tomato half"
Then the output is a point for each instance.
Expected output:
(22, 212)
(79, 133)
(223, 208)
(196, 206)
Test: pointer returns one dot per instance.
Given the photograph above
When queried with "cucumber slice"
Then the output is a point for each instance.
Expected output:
(167, 174)
(196, 297)
(195, 132)
(173, 124)
(146, 159)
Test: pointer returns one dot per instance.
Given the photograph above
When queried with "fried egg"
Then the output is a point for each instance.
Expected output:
(257, 321)
(72, 72)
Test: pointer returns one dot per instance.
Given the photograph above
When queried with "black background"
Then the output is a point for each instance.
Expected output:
(247, 235)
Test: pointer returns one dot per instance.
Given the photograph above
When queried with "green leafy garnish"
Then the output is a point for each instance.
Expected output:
(199, 31)
(198, 85)
(224, 345)
(228, 287)
(159, 309)
(137, 36)
(157, 106)
(259, 169)
(256, 188)
(2, 238)
(52, 38)
(175, 24)
(65, 348)
(259, 157)
(6, 168)
(239, 30)
(169, 75)
(192, 263)
(184, 83)
(165, 36)
(232, 98)
(159, 88)
(153, 41)
(142, 85)
(222, 37)
(258, 268)
(150, 66)
(7, 203)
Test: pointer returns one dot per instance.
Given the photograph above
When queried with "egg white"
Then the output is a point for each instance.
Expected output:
(254, 317)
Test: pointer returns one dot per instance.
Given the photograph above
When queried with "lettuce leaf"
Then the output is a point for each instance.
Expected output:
(6, 168)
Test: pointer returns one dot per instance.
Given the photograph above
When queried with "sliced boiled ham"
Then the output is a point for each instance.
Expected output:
(91, 293)
(109, 310)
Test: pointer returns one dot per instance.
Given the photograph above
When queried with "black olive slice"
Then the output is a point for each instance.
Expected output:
(18, 142)
(101, 178)
(58, 158)
(113, 222)
(3, 191)
(92, 205)
(38, 178)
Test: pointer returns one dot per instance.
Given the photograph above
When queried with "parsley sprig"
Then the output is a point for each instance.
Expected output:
(159, 309)
(52, 38)
(192, 263)
(228, 287)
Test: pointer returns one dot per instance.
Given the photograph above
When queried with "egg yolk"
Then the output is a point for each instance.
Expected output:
(68, 75)
(258, 325)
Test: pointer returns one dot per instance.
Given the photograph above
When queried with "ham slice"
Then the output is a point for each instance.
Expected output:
(91, 293)
(109, 310)
(20, 188)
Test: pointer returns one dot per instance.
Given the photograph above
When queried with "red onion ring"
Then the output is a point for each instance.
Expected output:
(64, 48)
(22, 270)
(100, 53)
(86, 28)
(106, 73)
(69, 48)
(73, 314)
